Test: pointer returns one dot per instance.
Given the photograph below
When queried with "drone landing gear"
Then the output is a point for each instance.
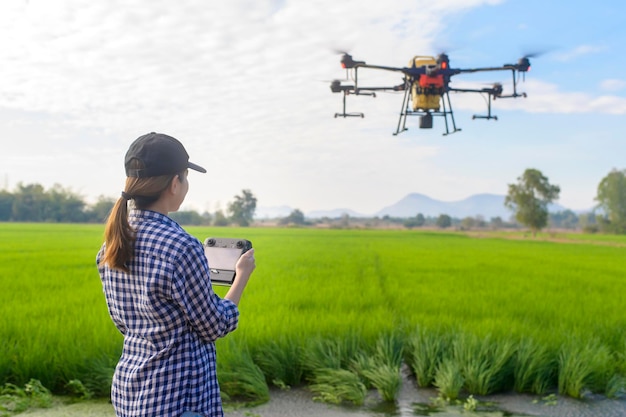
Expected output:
(344, 114)
(447, 112)
(361, 115)
(426, 116)
(404, 110)
(488, 116)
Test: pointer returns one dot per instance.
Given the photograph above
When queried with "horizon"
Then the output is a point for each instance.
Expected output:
(286, 209)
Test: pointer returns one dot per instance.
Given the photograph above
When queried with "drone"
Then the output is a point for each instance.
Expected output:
(426, 87)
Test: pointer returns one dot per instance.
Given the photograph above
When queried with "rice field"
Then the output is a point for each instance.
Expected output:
(345, 311)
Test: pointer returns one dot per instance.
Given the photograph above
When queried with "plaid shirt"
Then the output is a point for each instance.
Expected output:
(170, 317)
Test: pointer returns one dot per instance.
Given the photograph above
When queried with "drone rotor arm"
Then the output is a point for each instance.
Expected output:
(486, 69)
(470, 90)
(382, 67)
(360, 90)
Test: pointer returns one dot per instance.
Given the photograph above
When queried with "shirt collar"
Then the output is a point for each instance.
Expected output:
(138, 215)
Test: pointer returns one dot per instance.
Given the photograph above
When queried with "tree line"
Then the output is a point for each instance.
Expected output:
(528, 200)
(566, 219)
(33, 203)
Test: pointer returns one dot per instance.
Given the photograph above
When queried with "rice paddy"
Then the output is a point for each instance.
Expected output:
(345, 311)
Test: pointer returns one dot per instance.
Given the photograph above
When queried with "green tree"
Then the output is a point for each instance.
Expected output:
(6, 205)
(63, 205)
(207, 218)
(529, 199)
(611, 199)
(496, 222)
(565, 219)
(417, 221)
(468, 223)
(444, 221)
(188, 217)
(295, 217)
(588, 222)
(100, 210)
(241, 210)
(30, 203)
(219, 219)
(479, 221)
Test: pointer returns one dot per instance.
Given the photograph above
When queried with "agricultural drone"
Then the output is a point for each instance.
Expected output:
(426, 86)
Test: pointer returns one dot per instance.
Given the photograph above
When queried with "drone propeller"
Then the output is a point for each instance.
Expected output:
(495, 84)
(337, 87)
(496, 89)
(532, 55)
(347, 62)
(536, 53)
(524, 62)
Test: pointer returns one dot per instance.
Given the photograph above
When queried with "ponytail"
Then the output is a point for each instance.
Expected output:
(119, 236)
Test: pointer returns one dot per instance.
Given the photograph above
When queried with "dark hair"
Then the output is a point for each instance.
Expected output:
(119, 236)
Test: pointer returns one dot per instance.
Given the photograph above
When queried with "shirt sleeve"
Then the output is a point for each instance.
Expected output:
(210, 316)
(108, 287)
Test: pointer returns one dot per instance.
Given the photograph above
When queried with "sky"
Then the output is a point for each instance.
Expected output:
(244, 85)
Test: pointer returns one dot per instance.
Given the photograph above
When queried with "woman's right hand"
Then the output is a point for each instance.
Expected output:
(245, 264)
(243, 269)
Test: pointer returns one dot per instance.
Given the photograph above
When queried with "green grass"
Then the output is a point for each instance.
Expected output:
(424, 351)
(473, 314)
(485, 363)
(535, 367)
(53, 319)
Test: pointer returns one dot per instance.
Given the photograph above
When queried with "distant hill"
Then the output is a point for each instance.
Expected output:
(485, 205)
(272, 212)
(333, 214)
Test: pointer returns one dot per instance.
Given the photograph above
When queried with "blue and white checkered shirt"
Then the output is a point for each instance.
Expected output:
(170, 317)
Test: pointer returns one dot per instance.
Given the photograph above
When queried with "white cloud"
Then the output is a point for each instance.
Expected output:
(543, 97)
(548, 98)
(578, 52)
(117, 64)
(612, 85)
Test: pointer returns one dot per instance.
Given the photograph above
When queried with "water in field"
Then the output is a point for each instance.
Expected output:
(413, 402)
(299, 403)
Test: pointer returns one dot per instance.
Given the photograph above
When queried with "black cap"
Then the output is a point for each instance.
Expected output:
(160, 155)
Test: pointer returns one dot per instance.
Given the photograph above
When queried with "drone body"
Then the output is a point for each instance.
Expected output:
(427, 88)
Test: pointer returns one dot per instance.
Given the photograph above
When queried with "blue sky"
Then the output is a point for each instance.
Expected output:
(245, 86)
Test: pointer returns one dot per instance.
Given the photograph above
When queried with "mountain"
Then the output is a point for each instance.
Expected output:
(485, 205)
(272, 212)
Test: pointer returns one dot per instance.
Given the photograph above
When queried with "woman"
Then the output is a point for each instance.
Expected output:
(156, 282)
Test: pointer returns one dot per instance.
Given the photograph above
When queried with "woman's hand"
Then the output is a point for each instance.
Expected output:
(243, 269)
(246, 264)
